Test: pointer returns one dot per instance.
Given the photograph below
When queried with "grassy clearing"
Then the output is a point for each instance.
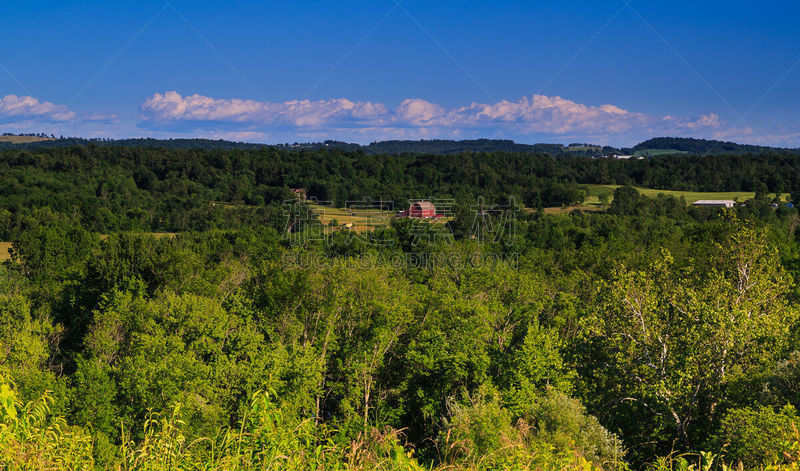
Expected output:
(586, 206)
(361, 219)
(5, 251)
(592, 201)
(595, 191)
(655, 152)
(24, 139)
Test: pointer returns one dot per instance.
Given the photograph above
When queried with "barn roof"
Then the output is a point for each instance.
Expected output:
(425, 205)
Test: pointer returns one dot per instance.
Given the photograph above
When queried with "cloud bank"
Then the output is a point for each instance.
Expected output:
(535, 118)
(172, 107)
(13, 107)
(537, 115)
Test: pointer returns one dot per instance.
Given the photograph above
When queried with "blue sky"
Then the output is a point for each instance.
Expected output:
(600, 71)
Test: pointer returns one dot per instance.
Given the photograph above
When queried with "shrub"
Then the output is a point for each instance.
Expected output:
(31, 440)
(757, 436)
(563, 422)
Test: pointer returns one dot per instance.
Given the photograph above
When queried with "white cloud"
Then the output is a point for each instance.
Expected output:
(418, 112)
(534, 118)
(172, 107)
(16, 108)
(537, 115)
(540, 114)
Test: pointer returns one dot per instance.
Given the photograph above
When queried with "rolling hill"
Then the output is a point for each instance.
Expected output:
(683, 145)
(650, 148)
(12, 139)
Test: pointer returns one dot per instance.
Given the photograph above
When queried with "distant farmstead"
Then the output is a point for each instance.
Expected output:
(300, 193)
(419, 209)
(715, 203)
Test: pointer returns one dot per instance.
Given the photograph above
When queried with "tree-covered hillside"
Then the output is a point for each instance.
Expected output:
(705, 147)
(156, 189)
(648, 335)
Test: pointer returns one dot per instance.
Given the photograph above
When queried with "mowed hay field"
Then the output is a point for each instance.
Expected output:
(691, 196)
(361, 219)
(5, 251)
(587, 206)
(24, 139)
(592, 201)
(655, 152)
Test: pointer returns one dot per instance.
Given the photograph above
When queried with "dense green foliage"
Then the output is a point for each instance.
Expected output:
(434, 146)
(615, 339)
(423, 146)
(110, 189)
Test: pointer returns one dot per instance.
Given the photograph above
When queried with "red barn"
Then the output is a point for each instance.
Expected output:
(420, 209)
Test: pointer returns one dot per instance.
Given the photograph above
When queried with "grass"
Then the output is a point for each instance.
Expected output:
(586, 206)
(361, 219)
(24, 139)
(654, 152)
(691, 196)
(592, 201)
(5, 251)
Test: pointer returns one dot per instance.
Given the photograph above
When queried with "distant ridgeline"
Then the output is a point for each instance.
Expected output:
(436, 146)
(140, 142)
(649, 148)
(704, 147)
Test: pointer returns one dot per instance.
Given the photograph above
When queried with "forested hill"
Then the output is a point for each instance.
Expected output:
(435, 146)
(638, 333)
(705, 147)
(655, 146)
(63, 142)
(154, 189)
(444, 146)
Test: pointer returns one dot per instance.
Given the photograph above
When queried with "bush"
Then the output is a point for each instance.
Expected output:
(555, 434)
(783, 385)
(563, 422)
(31, 439)
(757, 437)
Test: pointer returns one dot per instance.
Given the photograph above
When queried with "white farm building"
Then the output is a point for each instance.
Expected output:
(723, 203)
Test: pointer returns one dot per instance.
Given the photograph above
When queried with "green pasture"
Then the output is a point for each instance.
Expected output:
(655, 152)
(361, 219)
(595, 191)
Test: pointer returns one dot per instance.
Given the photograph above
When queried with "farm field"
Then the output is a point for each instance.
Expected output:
(361, 219)
(691, 196)
(586, 206)
(655, 152)
(5, 251)
(592, 201)
(24, 139)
